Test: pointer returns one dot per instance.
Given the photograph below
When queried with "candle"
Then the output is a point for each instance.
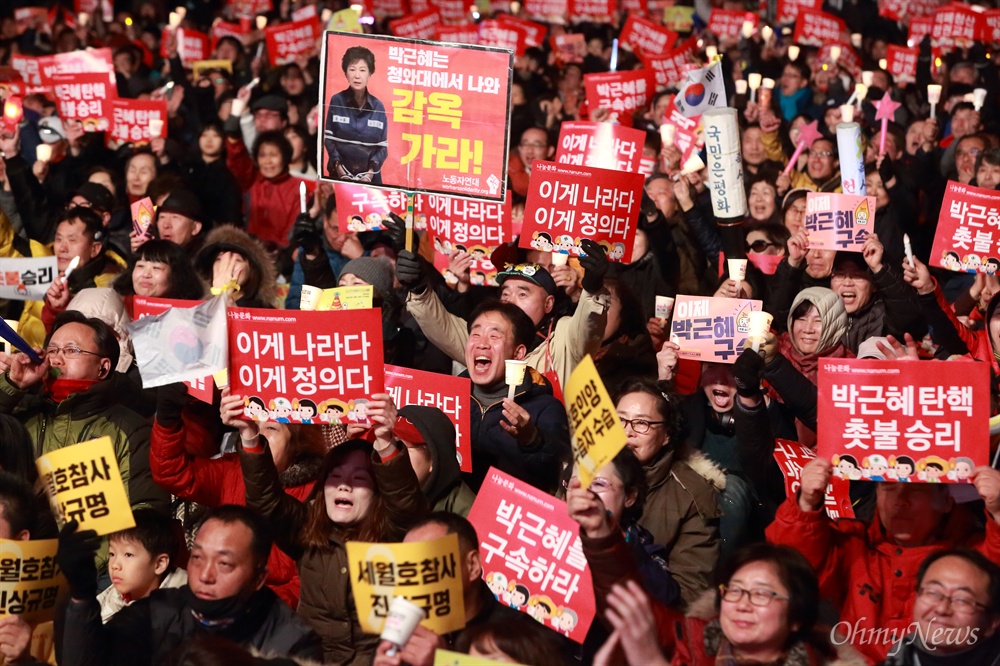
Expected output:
(856, 40)
(302, 197)
(755, 81)
(83, 19)
(766, 32)
(559, 259)
(514, 375)
(667, 132)
(834, 53)
(694, 164)
(156, 128)
(741, 86)
(867, 77)
(978, 97)
(908, 249)
(933, 97)
(747, 29)
(883, 64)
(261, 22)
(847, 113)
(860, 92)
(711, 52)
(765, 92)
(793, 52)
(43, 152)
(174, 20)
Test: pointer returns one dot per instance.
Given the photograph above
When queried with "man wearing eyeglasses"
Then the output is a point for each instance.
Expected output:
(75, 395)
(534, 145)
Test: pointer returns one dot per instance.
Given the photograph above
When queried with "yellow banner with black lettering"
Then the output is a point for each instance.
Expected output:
(30, 580)
(598, 435)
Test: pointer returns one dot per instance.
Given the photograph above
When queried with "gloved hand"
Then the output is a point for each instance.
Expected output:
(170, 400)
(747, 371)
(395, 230)
(595, 266)
(76, 559)
(305, 234)
(410, 272)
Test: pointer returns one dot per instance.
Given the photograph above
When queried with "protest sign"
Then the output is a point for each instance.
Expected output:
(591, 11)
(671, 68)
(76, 62)
(279, 359)
(901, 62)
(598, 435)
(346, 20)
(967, 238)
(451, 11)
(31, 18)
(788, 10)
(600, 145)
(839, 221)
(701, 90)
(570, 47)
(678, 18)
(725, 164)
(534, 33)
(988, 27)
(416, 26)
(898, 10)
(83, 483)
(503, 35)
(30, 579)
(549, 11)
(130, 120)
(465, 33)
(466, 225)
(728, 23)
(304, 12)
(85, 98)
(816, 28)
(250, 8)
(27, 278)
(713, 330)
(643, 36)
(364, 208)
(220, 29)
(532, 556)
(567, 204)
(848, 59)
(452, 395)
(449, 658)
(428, 573)
(359, 297)
(791, 458)
(687, 136)
(28, 67)
(192, 46)
(920, 27)
(384, 8)
(954, 25)
(202, 66)
(437, 122)
(895, 420)
(288, 41)
(621, 93)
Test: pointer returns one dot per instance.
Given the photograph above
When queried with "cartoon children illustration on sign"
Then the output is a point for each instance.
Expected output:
(931, 469)
(306, 410)
(497, 582)
(962, 469)
(876, 467)
(281, 410)
(846, 467)
(519, 595)
(903, 468)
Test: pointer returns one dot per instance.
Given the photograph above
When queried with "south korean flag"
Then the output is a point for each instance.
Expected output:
(701, 90)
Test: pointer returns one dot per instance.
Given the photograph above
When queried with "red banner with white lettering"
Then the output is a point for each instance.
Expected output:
(288, 41)
(600, 145)
(788, 10)
(818, 28)
(466, 225)
(250, 8)
(76, 62)
(593, 11)
(86, 98)
(729, 22)
(503, 35)
(452, 11)
(670, 69)
(901, 62)
(686, 135)
(31, 18)
(383, 8)
(988, 28)
(967, 239)
(534, 32)
(466, 33)
(452, 395)
(202, 388)
(130, 120)
(416, 26)
(920, 27)
(532, 555)
(903, 420)
(294, 366)
(571, 47)
(567, 204)
(549, 11)
(221, 29)
(621, 93)
(644, 36)
(192, 46)
(791, 458)
(897, 10)
(954, 25)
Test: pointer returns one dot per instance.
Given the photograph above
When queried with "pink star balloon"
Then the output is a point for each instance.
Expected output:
(886, 110)
(807, 136)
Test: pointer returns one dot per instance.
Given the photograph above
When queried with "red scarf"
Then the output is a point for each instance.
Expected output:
(60, 389)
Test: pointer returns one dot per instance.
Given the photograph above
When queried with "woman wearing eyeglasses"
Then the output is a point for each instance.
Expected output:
(682, 509)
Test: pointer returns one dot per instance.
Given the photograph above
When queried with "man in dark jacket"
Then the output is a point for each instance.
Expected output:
(225, 596)
(526, 437)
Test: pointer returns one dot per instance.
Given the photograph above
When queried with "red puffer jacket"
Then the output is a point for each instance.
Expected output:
(216, 481)
(870, 579)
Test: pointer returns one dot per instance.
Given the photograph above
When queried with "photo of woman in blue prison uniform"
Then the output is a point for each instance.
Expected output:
(356, 131)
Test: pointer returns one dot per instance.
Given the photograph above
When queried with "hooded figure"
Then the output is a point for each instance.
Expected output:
(428, 429)
(833, 318)
(259, 289)
(107, 305)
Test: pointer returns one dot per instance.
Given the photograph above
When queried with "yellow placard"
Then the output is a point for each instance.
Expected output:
(449, 658)
(598, 436)
(678, 19)
(84, 484)
(30, 581)
(347, 298)
(346, 20)
(221, 378)
(428, 573)
(202, 65)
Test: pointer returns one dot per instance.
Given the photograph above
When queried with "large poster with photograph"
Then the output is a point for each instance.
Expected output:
(417, 115)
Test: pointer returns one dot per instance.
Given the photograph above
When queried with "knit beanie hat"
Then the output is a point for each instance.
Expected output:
(376, 272)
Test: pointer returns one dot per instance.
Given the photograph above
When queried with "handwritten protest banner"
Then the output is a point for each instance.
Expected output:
(466, 225)
(328, 363)
(642, 35)
(438, 120)
(86, 98)
(600, 145)
(364, 208)
(815, 28)
(621, 93)
(901, 62)
(791, 458)
(130, 120)
(903, 421)
(428, 573)
(30, 579)
(27, 278)
(729, 22)
(713, 330)
(532, 556)
(598, 435)
(288, 41)
(430, 389)
(416, 26)
(567, 204)
(839, 221)
(788, 10)
(84, 484)
(967, 237)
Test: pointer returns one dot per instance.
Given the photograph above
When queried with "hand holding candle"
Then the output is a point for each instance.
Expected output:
(767, 86)
(760, 324)
(737, 272)
(302, 198)
(908, 249)
(933, 97)
(754, 79)
(514, 375)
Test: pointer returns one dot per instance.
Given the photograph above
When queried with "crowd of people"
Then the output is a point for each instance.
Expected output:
(697, 552)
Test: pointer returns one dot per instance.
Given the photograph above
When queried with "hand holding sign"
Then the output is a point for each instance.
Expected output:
(987, 482)
(231, 410)
(587, 509)
(77, 549)
(816, 477)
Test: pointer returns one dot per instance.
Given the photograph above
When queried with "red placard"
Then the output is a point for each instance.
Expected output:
(383, 8)
(954, 25)
(967, 237)
(594, 11)
(849, 58)
(729, 22)
(642, 35)
(31, 18)
(919, 28)
(222, 29)
(281, 358)
(85, 97)
(877, 411)
(28, 67)
(452, 395)
(308, 12)
(202, 388)
(250, 8)
(988, 28)
(567, 204)
(839, 221)
(288, 41)
(531, 551)
(600, 145)
(467, 33)
(503, 35)
(467, 225)
(438, 122)
(791, 458)
(712, 330)
(686, 134)
(452, 11)
(416, 26)
(76, 62)
(670, 69)
(621, 93)
(192, 46)
(130, 119)
(363, 208)
(818, 28)
(549, 11)
(902, 63)
(569, 47)
(534, 32)
(788, 10)
(897, 10)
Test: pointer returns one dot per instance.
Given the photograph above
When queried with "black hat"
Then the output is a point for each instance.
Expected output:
(98, 195)
(270, 103)
(530, 272)
(183, 203)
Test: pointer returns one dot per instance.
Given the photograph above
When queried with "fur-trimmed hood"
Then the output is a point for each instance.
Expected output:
(261, 289)
(704, 466)
(304, 470)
